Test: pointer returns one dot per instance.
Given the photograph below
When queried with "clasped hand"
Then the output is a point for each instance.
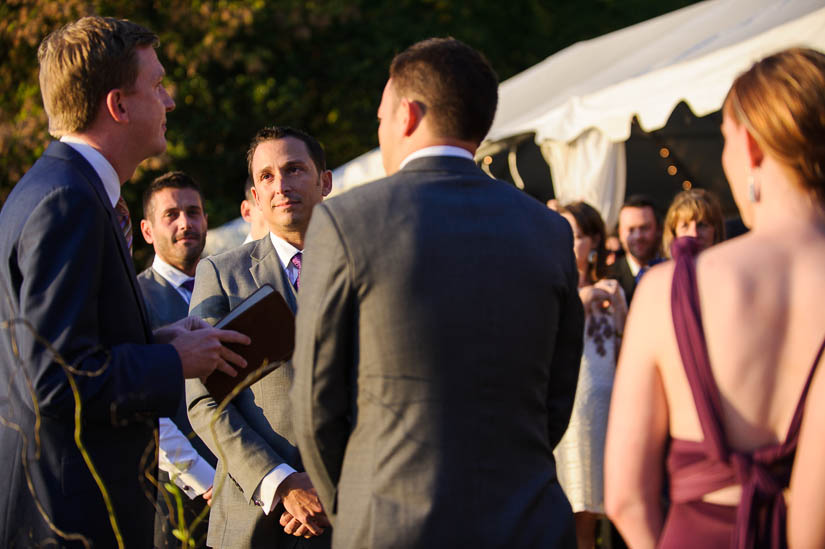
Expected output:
(201, 347)
(304, 515)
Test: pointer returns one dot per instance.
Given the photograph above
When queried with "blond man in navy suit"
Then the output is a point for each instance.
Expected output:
(67, 280)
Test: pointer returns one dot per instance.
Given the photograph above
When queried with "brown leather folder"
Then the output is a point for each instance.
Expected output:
(268, 321)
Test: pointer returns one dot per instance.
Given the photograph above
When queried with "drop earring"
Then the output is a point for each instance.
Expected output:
(753, 190)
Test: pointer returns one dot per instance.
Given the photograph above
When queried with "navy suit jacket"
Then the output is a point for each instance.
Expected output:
(74, 328)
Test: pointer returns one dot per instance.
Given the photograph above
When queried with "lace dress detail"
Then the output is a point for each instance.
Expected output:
(580, 453)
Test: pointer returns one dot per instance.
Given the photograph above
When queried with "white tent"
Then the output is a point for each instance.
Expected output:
(579, 103)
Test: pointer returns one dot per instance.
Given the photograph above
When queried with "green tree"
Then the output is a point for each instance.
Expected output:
(237, 65)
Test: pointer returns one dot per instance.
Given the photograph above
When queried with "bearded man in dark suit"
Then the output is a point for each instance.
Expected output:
(439, 332)
(174, 223)
(75, 338)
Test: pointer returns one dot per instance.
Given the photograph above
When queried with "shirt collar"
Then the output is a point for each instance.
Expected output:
(284, 249)
(438, 150)
(101, 166)
(631, 263)
(172, 275)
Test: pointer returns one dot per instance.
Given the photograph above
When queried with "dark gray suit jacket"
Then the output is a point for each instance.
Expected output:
(620, 270)
(67, 276)
(254, 432)
(437, 353)
(165, 305)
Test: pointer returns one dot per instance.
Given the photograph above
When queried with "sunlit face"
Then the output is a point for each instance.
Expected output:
(390, 130)
(701, 230)
(735, 164)
(582, 244)
(287, 185)
(639, 233)
(176, 227)
(147, 103)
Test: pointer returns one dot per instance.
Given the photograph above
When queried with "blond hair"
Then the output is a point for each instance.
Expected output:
(781, 101)
(697, 204)
(84, 60)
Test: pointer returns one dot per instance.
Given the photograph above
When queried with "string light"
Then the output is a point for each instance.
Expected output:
(686, 185)
(664, 152)
(488, 160)
(672, 169)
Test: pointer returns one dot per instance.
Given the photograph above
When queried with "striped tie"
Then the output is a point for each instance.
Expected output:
(122, 211)
(296, 261)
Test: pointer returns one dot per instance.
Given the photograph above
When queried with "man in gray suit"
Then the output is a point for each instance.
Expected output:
(252, 435)
(174, 223)
(439, 332)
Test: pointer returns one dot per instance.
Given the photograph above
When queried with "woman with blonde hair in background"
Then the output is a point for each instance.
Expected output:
(580, 453)
(696, 213)
(719, 350)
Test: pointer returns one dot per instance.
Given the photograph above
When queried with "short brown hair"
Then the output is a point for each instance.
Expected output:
(591, 224)
(697, 204)
(84, 60)
(781, 101)
(169, 180)
(272, 133)
(456, 84)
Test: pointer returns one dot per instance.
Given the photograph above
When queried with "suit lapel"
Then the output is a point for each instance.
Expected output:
(61, 150)
(266, 269)
(174, 305)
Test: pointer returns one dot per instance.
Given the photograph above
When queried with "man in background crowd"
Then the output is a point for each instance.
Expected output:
(174, 223)
(640, 233)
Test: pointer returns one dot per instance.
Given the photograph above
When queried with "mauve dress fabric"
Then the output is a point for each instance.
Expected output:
(697, 468)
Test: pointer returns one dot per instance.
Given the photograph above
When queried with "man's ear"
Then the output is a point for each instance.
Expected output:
(246, 210)
(326, 182)
(115, 106)
(412, 113)
(146, 231)
(255, 197)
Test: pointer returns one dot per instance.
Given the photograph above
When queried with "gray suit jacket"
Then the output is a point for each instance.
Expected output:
(66, 276)
(165, 305)
(438, 343)
(253, 434)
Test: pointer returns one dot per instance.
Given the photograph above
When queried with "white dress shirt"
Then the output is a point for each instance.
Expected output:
(265, 492)
(437, 150)
(101, 166)
(187, 469)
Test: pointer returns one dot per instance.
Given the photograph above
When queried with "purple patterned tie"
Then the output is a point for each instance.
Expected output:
(296, 260)
(122, 211)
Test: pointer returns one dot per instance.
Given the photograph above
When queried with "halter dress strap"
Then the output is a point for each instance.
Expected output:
(763, 473)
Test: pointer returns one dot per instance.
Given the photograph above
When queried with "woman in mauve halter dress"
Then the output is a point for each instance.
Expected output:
(720, 348)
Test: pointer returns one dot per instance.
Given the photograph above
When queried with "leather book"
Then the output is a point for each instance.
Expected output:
(268, 321)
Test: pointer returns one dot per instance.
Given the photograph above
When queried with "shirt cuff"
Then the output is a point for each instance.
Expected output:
(264, 495)
(197, 479)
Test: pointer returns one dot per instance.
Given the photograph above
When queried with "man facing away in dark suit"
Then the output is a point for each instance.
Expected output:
(266, 488)
(174, 223)
(439, 332)
(640, 234)
(75, 338)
